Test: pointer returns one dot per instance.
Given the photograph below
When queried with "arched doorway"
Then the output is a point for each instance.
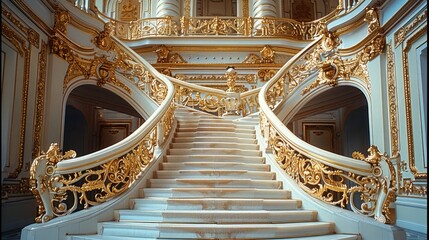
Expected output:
(335, 120)
(96, 118)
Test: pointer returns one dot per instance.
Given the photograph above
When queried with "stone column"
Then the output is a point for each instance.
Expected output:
(263, 8)
(170, 8)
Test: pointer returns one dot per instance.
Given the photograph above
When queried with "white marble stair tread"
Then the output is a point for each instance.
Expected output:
(337, 236)
(213, 174)
(214, 158)
(216, 216)
(215, 204)
(215, 151)
(197, 123)
(214, 139)
(215, 192)
(215, 133)
(200, 129)
(214, 183)
(214, 145)
(215, 231)
(214, 166)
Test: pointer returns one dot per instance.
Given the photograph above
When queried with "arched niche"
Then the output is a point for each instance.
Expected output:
(335, 120)
(96, 118)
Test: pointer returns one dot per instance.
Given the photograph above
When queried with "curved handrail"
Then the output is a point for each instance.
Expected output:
(319, 172)
(196, 96)
(63, 183)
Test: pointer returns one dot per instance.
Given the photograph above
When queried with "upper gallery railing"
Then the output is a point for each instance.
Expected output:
(64, 183)
(329, 177)
(212, 26)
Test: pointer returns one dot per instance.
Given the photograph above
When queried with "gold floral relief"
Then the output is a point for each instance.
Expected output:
(87, 187)
(62, 18)
(332, 185)
(99, 68)
(40, 99)
(371, 17)
(25, 52)
(393, 108)
(129, 10)
(103, 40)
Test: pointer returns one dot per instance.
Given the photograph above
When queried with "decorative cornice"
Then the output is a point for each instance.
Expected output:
(33, 36)
(371, 17)
(404, 31)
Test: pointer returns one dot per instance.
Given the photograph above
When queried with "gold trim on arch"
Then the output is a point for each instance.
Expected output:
(411, 157)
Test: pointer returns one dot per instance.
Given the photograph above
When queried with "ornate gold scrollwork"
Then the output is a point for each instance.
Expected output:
(266, 74)
(100, 67)
(371, 17)
(103, 40)
(330, 185)
(164, 56)
(41, 170)
(62, 18)
(329, 73)
(61, 194)
(204, 101)
(231, 77)
(267, 54)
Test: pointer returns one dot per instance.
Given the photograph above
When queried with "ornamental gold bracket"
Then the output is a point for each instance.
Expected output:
(62, 18)
(165, 56)
(378, 191)
(103, 39)
(371, 17)
(329, 73)
(41, 170)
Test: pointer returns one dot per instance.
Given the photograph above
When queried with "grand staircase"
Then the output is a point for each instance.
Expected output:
(214, 184)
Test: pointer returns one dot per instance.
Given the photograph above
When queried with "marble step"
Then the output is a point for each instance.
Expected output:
(212, 158)
(214, 139)
(215, 193)
(215, 151)
(214, 174)
(215, 231)
(215, 204)
(202, 130)
(214, 166)
(204, 124)
(214, 183)
(322, 237)
(215, 134)
(214, 145)
(215, 216)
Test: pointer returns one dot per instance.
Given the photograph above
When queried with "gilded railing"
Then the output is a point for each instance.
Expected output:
(219, 26)
(332, 178)
(192, 26)
(249, 102)
(145, 27)
(63, 184)
(199, 97)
